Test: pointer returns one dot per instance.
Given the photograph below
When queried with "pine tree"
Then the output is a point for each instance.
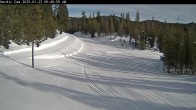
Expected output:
(62, 17)
(83, 20)
(192, 48)
(93, 14)
(142, 37)
(7, 23)
(94, 27)
(161, 36)
(33, 29)
(137, 16)
(186, 50)
(99, 22)
(178, 46)
(128, 16)
(98, 16)
(26, 24)
(169, 48)
(115, 22)
(102, 26)
(165, 21)
(55, 9)
(19, 25)
(152, 34)
(49, 22)
(86, 26)
(111, 26)
(122, 15)
(105, 25)
(89, 25)
(89, 16)
(120, 29)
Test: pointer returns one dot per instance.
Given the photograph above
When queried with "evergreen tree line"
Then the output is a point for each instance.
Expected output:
(144, 33)
(177, 41)
(24, 24)
(31, 24)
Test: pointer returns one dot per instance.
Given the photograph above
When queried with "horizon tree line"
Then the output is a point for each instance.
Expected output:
(177, 41)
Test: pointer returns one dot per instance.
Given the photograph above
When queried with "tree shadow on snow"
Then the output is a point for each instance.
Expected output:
(96, 101)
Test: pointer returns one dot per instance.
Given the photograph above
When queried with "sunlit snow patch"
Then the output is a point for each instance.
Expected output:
(38, 48)
(113, 52)
(49, 56)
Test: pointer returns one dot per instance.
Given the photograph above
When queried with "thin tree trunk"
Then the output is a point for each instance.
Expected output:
(33, 54)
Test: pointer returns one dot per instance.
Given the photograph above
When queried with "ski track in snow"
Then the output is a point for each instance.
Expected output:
(79, 73)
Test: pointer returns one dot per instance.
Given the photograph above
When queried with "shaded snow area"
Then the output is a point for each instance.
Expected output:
(75, 72)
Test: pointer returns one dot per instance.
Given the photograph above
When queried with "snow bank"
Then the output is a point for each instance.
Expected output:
(57, 56)
(73, 48)
(54, 56)
(46, 44)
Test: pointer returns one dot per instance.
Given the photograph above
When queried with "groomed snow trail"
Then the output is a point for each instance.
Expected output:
(92, 74)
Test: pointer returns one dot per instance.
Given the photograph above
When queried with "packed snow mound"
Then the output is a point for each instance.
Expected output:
(14, 48)
(73, 47)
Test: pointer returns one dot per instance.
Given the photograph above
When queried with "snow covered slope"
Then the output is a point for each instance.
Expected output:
(103, 76)
(46, 44)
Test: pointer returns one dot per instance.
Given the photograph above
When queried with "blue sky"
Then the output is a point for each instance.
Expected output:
(185, 13)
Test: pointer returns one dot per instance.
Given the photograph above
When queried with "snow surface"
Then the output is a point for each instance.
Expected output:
(103, 75)
(46, 44)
